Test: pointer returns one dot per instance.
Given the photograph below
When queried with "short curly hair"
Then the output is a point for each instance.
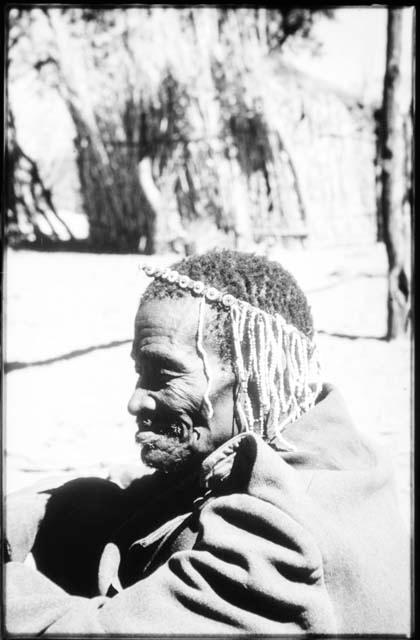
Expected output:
(249, 277)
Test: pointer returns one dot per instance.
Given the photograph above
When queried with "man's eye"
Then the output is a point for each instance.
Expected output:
(162, 377)
(154, 378)
(166, 375)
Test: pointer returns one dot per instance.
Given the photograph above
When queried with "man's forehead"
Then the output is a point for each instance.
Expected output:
(176, 318)
(169, 322)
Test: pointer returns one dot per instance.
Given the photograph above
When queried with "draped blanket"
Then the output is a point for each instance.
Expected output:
(260, 542)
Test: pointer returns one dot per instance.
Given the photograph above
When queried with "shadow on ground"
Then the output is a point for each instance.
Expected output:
(14, 366)
(349, 336)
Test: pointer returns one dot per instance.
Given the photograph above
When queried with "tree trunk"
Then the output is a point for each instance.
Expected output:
(394, 230)
(27, 194)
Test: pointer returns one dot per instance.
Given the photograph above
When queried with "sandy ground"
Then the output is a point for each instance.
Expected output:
(69, 324)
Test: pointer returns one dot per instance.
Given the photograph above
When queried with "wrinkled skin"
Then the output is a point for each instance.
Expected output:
(173, 426)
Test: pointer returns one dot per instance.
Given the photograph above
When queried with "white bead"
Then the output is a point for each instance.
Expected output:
(165, 273)
(198, 287)
(212, 294)
(149, 270)
(227, 300)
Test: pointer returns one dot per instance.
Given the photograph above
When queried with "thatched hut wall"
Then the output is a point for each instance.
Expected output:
(331, 138)
(187, 130)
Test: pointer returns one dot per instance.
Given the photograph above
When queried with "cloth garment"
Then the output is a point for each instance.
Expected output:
(257, 541)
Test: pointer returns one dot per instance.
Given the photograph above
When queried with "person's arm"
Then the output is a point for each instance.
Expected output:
(254, 569)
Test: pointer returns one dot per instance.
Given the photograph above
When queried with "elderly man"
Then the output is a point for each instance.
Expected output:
(267, 512)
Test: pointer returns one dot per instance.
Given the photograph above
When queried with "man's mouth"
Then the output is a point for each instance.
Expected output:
(152, 428)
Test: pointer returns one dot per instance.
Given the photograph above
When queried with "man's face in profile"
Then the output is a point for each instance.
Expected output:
(173, 428)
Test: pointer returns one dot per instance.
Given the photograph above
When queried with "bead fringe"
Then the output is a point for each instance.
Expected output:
(280, 361)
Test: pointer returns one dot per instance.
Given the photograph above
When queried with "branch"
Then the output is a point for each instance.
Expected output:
(296, 180)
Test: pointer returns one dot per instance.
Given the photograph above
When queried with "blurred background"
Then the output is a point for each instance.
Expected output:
(146, 134)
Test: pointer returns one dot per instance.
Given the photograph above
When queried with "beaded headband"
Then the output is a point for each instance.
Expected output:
(281, 360)
(197, 287)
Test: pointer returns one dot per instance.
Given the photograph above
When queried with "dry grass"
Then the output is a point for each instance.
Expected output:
(69, 416)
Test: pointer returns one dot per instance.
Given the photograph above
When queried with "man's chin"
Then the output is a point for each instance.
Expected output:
(168, 455)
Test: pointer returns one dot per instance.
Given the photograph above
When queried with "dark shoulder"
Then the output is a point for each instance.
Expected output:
(80, 518)
(86, 501)
(85, 493)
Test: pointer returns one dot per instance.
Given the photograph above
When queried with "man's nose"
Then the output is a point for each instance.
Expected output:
(140, 401)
